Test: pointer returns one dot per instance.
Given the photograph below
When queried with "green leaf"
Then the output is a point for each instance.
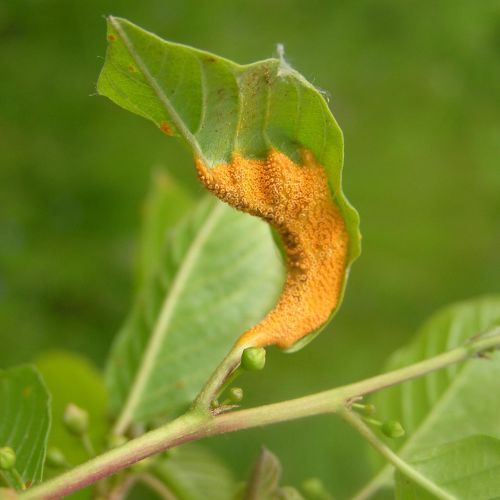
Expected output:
(73, 379)
(25, 419)
(220, 274)
(468, 469)
(219, 107)
(194, 473)
(264, 482)
(265, 478)
(450, 404)
(165, 205)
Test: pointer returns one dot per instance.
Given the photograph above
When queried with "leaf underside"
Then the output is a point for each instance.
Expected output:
(195, 473)
(265, 481)
(25, 419)
(218, 274)
(468, 469)
(221, 108)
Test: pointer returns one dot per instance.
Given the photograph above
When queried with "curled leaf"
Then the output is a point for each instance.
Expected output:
(266, 143)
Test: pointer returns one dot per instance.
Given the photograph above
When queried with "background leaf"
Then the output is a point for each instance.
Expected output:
(265, 479)
(468, 469)
(220, 107)
(454, 403)
(412, 94)
(194, 473)
(165, 205)
(73, 379)
(219, 274)
(25, 419)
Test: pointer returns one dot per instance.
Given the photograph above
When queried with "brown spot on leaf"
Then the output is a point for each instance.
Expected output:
(296, 200)
(166, 128)
(131, 68)
(27, 391)
(111, 37)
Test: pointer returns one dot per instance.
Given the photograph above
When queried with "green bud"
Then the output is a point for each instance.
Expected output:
(76, 420)
(114, 441)
(7, 458)
(366, 410)
(143, 464)
(393, 429)
(56, 459)
(235, 395)
(253, 358)
(313, 487)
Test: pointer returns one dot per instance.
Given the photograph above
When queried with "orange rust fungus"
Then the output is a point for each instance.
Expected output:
(111, 37)
(295, 199)
(166, 128)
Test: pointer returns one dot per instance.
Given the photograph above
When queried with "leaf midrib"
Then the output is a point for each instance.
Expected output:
(164, 100)
(161, 326)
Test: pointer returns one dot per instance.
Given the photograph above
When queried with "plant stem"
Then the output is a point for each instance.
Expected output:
(157, 486)
(179, 431)
(383, 478)
(404, 467)
(198, 423)
(218, 379)
(120, 492)
(87, 444)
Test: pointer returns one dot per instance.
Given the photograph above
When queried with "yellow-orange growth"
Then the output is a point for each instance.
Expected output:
(295, 199)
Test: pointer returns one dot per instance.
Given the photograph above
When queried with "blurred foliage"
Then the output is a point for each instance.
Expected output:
(24, 424)
(415, 89)
(72, 379)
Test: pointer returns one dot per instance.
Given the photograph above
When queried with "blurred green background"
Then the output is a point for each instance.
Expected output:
(415, 87)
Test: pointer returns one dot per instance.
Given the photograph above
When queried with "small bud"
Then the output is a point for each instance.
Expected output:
(143, 464)
(76, 420)
(7, 458)
(366, 410)
(56, 459)
(393, 429)
(235, 395)
(314, 488)
(115, 440)
(253, 358)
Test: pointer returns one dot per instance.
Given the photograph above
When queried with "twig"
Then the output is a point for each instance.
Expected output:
(199, 423)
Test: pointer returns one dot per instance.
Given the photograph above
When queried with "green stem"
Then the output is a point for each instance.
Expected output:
(185, 428)
(157, 486)
(219, 379)
(404, 467)
(198, 423)
(16, 478)
(3, 480)
(87, 444)
(383, 478)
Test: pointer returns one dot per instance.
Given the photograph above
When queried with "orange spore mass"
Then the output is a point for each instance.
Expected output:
(166, 128)
(295, 199)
